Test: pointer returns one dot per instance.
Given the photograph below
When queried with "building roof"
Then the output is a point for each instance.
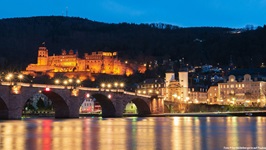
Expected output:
(251, 71)
(153, 80)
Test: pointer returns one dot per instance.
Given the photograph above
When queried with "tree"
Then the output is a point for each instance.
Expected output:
(40, 104)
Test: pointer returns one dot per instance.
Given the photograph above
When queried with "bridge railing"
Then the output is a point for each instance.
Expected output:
(88, 89)
(80, 88)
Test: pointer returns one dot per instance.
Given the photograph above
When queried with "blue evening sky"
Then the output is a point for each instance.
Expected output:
(184, 13)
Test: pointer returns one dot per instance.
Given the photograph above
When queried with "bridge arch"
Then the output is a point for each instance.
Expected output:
(59, 104)
(142, 106)
(108, 109)
(3, 109)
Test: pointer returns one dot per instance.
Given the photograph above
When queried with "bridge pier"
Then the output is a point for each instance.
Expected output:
(74, 107)
(118, 103)
(15, 107)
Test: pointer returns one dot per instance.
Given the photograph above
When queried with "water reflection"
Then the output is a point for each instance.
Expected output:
(133, 133)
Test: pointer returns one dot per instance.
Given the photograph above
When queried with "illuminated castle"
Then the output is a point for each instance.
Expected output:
(97, 62)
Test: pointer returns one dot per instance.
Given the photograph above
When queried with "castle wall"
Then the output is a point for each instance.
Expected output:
(97, 62)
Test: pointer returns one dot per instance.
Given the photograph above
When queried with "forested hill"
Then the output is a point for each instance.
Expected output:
(21, 37)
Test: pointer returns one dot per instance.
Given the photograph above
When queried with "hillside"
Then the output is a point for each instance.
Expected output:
(20, 38)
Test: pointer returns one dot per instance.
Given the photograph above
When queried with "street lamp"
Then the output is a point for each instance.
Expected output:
(13, 78)
(72, 83)
(65, 82)
(20, 77)
(116, 85)
(122, 85)
(9, 77)
(103, 85)
(78, 81)
(109, 85)
(57, 81)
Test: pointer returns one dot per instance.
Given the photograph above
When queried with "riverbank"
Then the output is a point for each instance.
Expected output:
(200, 114)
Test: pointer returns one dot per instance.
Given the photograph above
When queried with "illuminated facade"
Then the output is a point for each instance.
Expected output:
(97, 62)
(198, 96)
(176, 90)
(152, 87)
(213, 95)
(246, 92)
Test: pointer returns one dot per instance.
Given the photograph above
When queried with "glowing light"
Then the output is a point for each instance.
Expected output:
(65, 82)
(87, 95)
(109, 85)
(78, 81)
(109, 96)
(70, 80)
(75, 92)
(20, 76)
(9, 76)
(187, 98)
(57, 81)
(47, 89)
(102, 85)
(116, 84)
(16, 89)
(144, 92)
(122, 85)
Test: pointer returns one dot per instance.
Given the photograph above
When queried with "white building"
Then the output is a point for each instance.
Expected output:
(246, 92)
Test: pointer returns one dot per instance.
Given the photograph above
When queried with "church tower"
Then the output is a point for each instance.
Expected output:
(183, 80)
(42, 56)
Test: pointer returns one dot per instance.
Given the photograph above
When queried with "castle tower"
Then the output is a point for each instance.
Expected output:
(183, 80)
(42, 56)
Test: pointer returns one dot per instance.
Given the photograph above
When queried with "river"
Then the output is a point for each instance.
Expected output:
(133, 133)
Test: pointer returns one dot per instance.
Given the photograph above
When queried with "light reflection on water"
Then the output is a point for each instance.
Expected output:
(133, 133)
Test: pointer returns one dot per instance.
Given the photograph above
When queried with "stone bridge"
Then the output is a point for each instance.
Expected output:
(67, 100)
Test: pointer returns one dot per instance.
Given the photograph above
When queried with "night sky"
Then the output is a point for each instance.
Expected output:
(186, 13)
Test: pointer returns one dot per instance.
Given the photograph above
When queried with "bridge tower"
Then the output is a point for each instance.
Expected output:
(183, 79)
(169, 76)
(42, 55)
